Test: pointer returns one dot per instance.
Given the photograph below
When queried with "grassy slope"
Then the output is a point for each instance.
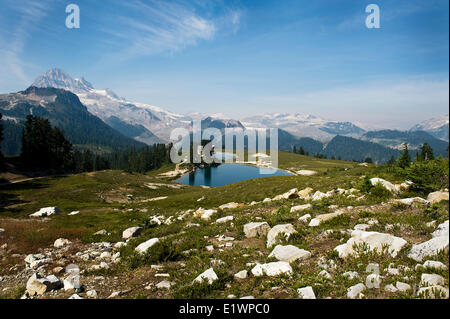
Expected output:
(87, 193)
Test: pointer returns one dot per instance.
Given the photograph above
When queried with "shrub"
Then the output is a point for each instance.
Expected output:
(160, 252)
(366, 185)
(282, 215)
(379, 192)
(203, 290)
(428, 176)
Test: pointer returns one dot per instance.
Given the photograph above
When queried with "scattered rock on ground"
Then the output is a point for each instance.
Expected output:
(289, 253)
(300, 208)
(373, 240)
(208, 275)
(46, 211)
(285, 229)
(437, 197)
(433, 246)
(132, 232)
(272, 269)
(355, 291)
(306, 293)
(142, 248)
(257, 229)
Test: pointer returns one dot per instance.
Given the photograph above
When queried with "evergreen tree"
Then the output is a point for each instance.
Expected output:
(426, 152)
(294, 150)
(391, 161)
(404, 159)
(44, 146)
(368, 160)
(301, 151)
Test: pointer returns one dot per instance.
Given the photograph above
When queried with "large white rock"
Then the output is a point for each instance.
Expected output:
(428, 248)
(411, 201)
(434, 264)
(36, 285)
(401, 286)
(131, 232)
(256, 229)
(204, 214)
(241, 274)
(373, 240)
(293, 193)
(61, 242)
(289, 253)
(319, 195)
(373, 281)
(355, 291)
(437, 197)
(224, 219)
(229, 205)
(388, 185)
(33, 257)
(305, 218)
(324, 217)
(441, 230)
(305, 193)
(306, 293)
(208, 275)
(300, 208)
(433, 246)
(432, 280)
(272, 269)
(143, 247)
(306, 172)
(46, 211)
(285, 229)
(433, 292)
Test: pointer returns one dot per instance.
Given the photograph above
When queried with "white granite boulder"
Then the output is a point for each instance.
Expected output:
(132, 232)
(61, 242)
(208, 276)
(258, 229)
(373, 241)
(285, 229)
(143, 247)
(300, 208)
(437, 197)
(411, 201)
(356, 291)
(289, 253)
(316, 221)
(306, 293)
(46, 211)
(432, 247)
(272, 269)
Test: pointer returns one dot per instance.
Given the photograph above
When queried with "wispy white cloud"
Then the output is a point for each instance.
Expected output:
(160, 26)
(13, 39)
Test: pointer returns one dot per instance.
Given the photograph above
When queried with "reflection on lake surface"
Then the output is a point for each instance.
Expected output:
(225, 174)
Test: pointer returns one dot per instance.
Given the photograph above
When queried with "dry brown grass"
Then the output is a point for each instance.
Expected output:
(25, 236)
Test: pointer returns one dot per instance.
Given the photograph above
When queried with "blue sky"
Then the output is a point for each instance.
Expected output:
(242, 57)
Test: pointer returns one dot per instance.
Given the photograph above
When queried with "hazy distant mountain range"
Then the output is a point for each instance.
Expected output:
(438, 127)
(149, 124)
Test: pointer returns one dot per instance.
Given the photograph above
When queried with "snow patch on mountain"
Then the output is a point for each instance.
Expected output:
(105, 103)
